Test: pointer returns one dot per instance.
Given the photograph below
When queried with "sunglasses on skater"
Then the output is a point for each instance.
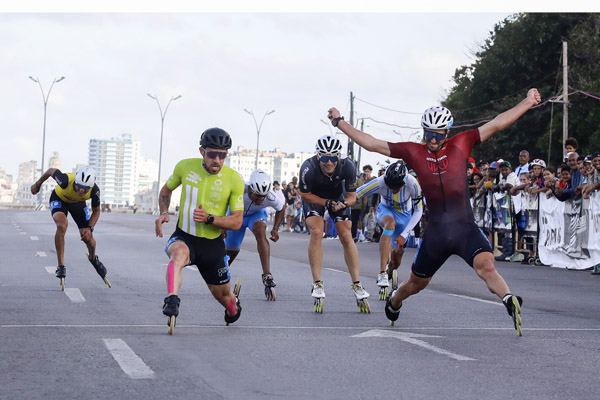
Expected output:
(216, 154)
(438, 136)
(326, 159)
(86, 188)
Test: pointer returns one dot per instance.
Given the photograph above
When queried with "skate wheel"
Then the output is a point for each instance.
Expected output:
(319, 305)
(270, 294)
(538, 261)
(171, 324)
(366, 306)
(383, 292)
(237, 287)
(107, 282)
(62, 284)
(394, 280)
(391, 322)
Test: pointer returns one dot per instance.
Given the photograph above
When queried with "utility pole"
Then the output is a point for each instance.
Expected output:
(362, 128)
(565, 97)
(351, 122)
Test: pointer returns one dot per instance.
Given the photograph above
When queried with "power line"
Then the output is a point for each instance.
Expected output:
(386, 108)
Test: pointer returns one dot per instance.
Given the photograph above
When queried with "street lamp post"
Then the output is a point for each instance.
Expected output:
(258, 130)
(162, 125)
(45, 97)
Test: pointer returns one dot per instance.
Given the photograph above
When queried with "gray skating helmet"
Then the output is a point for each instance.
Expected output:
(260, 182)
(328, 145)
(437, 118)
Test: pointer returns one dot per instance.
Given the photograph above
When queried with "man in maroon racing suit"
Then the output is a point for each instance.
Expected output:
(441, 165)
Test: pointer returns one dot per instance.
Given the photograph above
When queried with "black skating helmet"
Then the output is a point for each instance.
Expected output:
(396, 175)
(215, 138)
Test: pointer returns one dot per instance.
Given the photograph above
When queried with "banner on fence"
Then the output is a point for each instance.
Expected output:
(570, 232)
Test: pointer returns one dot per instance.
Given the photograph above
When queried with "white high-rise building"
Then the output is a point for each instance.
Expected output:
(116, 161)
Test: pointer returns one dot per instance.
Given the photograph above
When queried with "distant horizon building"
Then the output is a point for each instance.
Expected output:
(116, 162)
(281, 166)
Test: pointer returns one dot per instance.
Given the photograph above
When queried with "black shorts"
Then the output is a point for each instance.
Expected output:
(79, 211)
(207, 254)
(441, 240)
(312, 210)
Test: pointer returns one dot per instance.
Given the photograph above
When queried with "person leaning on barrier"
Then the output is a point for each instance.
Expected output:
(524, 183)
(550, 180)
(537, 180)
(507, 178)
(575, 180)
(594, 179)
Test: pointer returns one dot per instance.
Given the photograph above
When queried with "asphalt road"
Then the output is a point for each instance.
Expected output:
(452, 341)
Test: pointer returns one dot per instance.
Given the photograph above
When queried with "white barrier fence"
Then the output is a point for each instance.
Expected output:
(569, 232)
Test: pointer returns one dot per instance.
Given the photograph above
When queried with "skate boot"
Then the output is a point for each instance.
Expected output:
(394, 280)
(513, 307)
(391, 312)
(269, 286)
(318, 294)
(100, 269)
(61, 273)
(361, 297)
(171, 310)
(234, 306)
(382, 282)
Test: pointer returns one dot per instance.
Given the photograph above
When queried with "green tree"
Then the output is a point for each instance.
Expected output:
(524, 51)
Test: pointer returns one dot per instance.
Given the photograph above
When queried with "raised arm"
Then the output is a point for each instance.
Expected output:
(35, 188)
(508, 117)
(364, 140)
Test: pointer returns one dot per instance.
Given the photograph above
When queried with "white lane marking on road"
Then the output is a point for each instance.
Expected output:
(51, 270)
(74, 295)
(412, 339)
(129, 362)
(334, 270)
(320, 328)
(34, 238)
(476, 299)
(40, 254)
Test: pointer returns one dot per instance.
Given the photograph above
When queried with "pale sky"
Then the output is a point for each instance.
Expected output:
(298, 64)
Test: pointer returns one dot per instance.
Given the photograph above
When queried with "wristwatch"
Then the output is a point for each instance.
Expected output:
(336, 121)
(91, 228)
(210, 219)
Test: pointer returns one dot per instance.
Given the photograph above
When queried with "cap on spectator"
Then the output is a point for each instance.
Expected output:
(569, 154)
(505, 164)
(595, 154)
(587, 159)
(539, 162)
(275, 183)
(494, 165)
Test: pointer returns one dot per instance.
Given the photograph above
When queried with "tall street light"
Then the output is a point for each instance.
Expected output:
(258, 130)
(162, 125)
(45, 97)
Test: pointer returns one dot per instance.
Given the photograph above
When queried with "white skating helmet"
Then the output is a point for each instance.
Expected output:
(260, 182)
(437, 118)
(85, 176)
(328, 145)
